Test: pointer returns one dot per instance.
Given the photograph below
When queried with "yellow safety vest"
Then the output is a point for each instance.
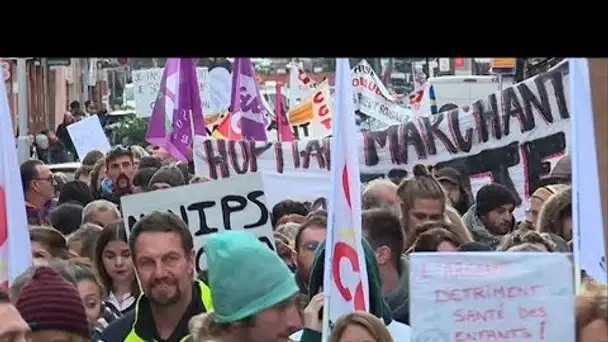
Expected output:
(205, 297)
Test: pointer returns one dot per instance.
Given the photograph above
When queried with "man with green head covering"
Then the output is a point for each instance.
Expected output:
(255, 294)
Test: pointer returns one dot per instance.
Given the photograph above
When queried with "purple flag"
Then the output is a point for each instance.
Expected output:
(247, 108)
(178, 112)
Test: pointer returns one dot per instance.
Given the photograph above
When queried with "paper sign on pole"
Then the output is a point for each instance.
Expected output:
(492, 296)
(208, 208)
(88, 135)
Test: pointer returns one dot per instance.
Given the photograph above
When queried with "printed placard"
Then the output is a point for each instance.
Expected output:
(479, 296)
(208, 208)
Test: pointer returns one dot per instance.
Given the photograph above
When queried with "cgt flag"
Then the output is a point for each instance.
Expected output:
(15, 250)
(345, 277)
(178, 112)
(248, 118)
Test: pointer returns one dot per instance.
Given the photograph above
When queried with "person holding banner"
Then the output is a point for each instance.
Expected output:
(377, 305)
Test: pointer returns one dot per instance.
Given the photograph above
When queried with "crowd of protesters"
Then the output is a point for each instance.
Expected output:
(94, 280)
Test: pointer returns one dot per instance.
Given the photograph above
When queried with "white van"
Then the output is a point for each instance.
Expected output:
(458, 91)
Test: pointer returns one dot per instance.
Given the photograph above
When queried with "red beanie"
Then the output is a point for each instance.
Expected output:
(49, 302)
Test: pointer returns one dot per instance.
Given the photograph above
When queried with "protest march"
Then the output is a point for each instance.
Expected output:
(309, 209)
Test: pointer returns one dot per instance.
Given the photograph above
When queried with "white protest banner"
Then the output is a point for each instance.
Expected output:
(372, 98)
(146, 84)
(207, 208)
(88, 135)
(479, 296)
(513, 144)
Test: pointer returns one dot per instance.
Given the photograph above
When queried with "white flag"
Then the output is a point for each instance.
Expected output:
(586, 202)
(345, 279)
(15, 249)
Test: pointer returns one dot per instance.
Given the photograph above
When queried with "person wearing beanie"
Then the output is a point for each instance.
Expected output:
(52, 308)
(491, 217)
(167, 177)
(457, 187)
(561, 172)
(255, 294)
(77, 192)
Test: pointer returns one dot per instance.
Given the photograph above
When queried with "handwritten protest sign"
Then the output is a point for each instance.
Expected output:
(146, 84)
(460, 297)
(208, 208)
(88, 135)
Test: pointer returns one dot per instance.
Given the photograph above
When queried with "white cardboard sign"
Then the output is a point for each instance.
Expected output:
(88, 135)
(479, 296)
(208, 208)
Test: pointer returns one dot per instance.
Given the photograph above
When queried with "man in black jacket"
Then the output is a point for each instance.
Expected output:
(164, 256)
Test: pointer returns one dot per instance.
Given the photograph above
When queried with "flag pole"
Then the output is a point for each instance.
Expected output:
(598, 68)
(277, 110)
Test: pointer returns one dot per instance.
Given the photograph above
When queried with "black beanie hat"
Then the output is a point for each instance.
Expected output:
(492, 196)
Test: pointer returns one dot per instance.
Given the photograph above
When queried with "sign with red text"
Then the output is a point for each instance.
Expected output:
(372, 98)
(475, 296)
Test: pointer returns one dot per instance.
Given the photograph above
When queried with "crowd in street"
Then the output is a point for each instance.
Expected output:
(89, 282)
(56, 146)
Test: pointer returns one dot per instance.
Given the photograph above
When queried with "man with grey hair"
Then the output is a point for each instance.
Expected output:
(381, 193)
(100, 212)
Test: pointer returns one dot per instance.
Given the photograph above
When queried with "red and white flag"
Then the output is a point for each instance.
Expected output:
(15, 249)
(345, 277)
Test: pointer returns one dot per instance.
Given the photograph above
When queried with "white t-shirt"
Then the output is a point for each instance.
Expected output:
(399, 332)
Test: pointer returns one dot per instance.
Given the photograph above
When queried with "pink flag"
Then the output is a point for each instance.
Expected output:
(15, 250)
(345, 280)
(284, 132)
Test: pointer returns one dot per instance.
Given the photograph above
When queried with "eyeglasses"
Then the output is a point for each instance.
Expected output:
(49, 179)
(311, 245)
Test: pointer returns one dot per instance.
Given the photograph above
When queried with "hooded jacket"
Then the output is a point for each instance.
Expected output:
(549, 217)
(377, 305)
(478, 229)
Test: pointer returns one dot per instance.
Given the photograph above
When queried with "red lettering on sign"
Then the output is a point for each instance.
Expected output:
(525, 313)
(343, 250)
(477, 316)
(492, 335)
(483, 293)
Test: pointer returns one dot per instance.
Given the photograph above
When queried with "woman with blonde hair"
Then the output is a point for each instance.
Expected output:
(360, 326)
(592, 313)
